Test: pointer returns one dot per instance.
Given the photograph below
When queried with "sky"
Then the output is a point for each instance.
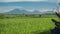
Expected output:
(27, 0)
(30, 5)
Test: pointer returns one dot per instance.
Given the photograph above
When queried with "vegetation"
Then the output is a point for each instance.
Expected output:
(30, 24)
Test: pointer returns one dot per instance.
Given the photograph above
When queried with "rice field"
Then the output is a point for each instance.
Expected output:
(26, 25)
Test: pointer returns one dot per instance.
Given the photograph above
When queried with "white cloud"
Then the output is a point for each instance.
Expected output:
(19, 0)
(28, 0)
(30, 10)
(7, 9)
(44, 10)
(4, 10)
(53, 0)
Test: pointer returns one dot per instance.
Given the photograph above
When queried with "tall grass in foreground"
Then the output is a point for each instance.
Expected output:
(26, 25)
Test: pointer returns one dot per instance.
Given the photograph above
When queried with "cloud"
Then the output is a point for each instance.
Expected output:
(30, 10)
(29, 0)
(20, 0)
(7, 9)
(4, 10)
(53, 0)
(44, 10)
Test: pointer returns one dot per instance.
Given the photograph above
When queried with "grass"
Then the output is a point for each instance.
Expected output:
(26, 25)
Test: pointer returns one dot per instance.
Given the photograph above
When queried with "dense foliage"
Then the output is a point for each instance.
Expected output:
(22, 24)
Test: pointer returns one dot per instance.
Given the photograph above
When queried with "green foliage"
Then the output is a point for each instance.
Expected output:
(4, 16)
(1, 16)
(26, 25)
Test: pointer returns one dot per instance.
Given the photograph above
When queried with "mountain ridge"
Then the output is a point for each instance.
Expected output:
(19, 11)
(23, 11)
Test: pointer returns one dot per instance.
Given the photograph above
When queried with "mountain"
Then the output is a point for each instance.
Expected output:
(49, 12)
(23, 11)
(17, 11)
(36, 12)
(5, 6)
